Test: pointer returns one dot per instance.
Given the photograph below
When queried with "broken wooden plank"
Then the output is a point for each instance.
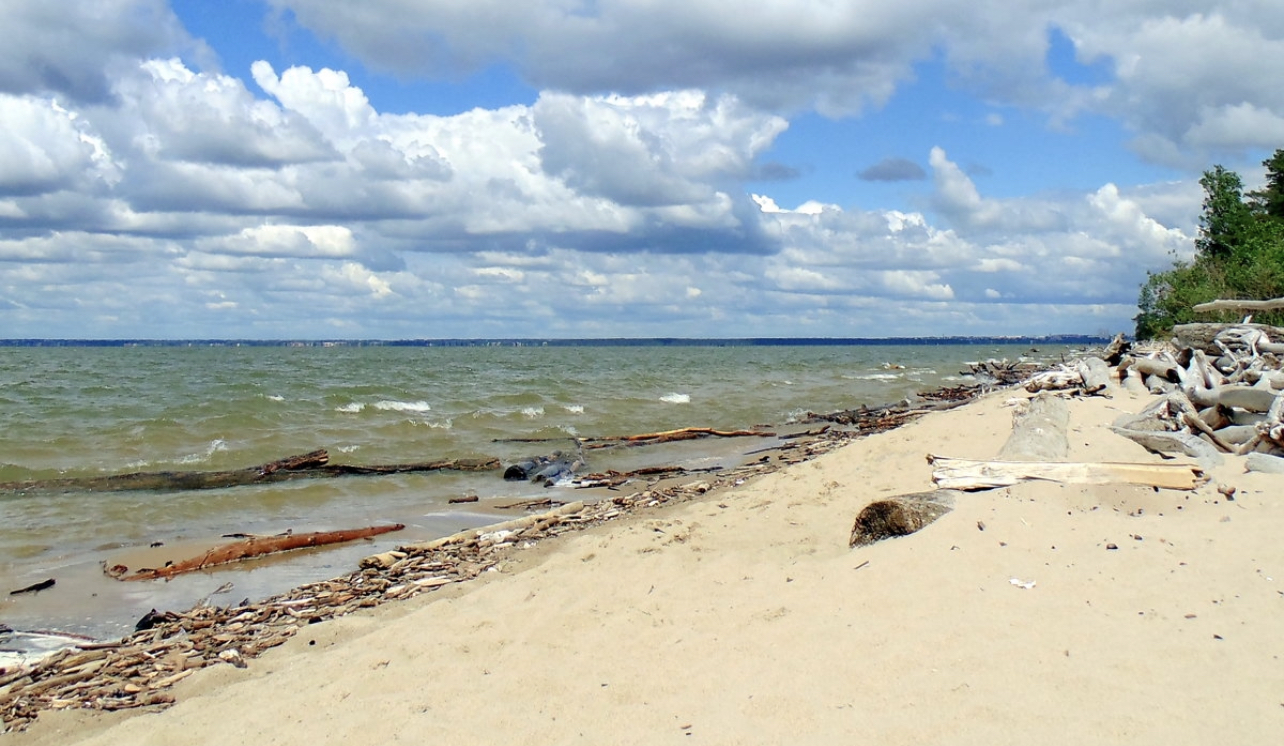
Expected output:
(965, 474)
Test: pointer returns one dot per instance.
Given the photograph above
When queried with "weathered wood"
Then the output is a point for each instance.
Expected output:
(312, 465)
(668, 436)
(1095, 374)
(253, 547)
(35, 587)
(1203, 335)
(1239, 305)
(1265, 463)
(901, 515)
(1248, 398)
(1038, 431)
(1116, 350)
(1165, 369)
(964, 474)
(1162, 441)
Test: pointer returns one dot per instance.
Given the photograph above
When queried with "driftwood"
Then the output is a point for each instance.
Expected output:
(306, 466)
(1240, 305)
(1230, 403)
(1202, 335)
(963, 474)
(1116, 350)
(249, 548)
(899, 516)
(1089, 375)
(1262, 462)
(669, 436)
(35, 587)
(1038, 431)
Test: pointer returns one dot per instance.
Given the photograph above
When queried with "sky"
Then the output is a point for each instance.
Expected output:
(410, 169)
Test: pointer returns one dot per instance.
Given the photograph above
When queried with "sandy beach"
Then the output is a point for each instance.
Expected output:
(1039, 613)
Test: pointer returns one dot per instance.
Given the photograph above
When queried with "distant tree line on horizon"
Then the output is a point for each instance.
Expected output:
(1239, 254)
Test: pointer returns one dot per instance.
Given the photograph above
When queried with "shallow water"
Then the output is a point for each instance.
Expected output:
(68, 412)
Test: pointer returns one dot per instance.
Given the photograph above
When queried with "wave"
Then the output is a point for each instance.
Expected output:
(676, 398)
(350, 408)
(214, 447)
(392, 405)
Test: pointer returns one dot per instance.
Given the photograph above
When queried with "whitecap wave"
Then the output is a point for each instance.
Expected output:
(214, 447)
(574, 408)
(676, 398)
(350, 408)
(392, 405)
(533, 412)
(873, 377)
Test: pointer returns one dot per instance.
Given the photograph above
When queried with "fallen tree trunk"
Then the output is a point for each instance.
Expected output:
(314, 465)
(1240, 305)
(1202, 335)
(899, 516)
(256, 546)
(963, 474)
(1038, 431)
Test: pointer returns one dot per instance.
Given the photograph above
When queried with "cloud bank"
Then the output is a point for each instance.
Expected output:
(144, 193)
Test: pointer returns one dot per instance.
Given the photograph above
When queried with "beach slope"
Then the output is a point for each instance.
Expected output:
(1040, 613)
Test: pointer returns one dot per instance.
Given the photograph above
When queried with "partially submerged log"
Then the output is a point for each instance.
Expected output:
(314, 465)
(668, 436)
(899, 516)
(256, 546)
(964, 474)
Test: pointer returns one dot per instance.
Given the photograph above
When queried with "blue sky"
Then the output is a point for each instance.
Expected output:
(300, 168)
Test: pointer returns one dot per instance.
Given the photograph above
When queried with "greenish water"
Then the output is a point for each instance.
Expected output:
(68, 412)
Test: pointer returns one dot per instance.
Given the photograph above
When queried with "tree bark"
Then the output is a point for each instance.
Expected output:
(899, 516)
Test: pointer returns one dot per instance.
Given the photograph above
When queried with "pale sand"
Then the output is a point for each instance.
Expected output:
(745, 619)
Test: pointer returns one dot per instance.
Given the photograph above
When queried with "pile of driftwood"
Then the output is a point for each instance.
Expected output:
(1221, 390)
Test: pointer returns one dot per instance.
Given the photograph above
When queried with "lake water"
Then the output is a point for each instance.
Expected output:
(89, 411)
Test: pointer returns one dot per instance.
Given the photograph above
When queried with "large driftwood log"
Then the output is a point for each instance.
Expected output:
(1248, 398)
(255, 546)
(1240, 305)
(1095, 374)
(963, 474)
(312, 465)
(900, 516)
(1265, 463)
(1038, 431)
(1203, 335)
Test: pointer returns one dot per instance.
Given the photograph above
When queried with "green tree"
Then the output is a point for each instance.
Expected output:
(1239, 253)
(1270, 199)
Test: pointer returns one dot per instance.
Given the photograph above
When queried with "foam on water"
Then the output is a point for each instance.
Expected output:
(676, 398)
(391, 405)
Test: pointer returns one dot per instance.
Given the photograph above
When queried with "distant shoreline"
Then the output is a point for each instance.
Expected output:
(1055, 339)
